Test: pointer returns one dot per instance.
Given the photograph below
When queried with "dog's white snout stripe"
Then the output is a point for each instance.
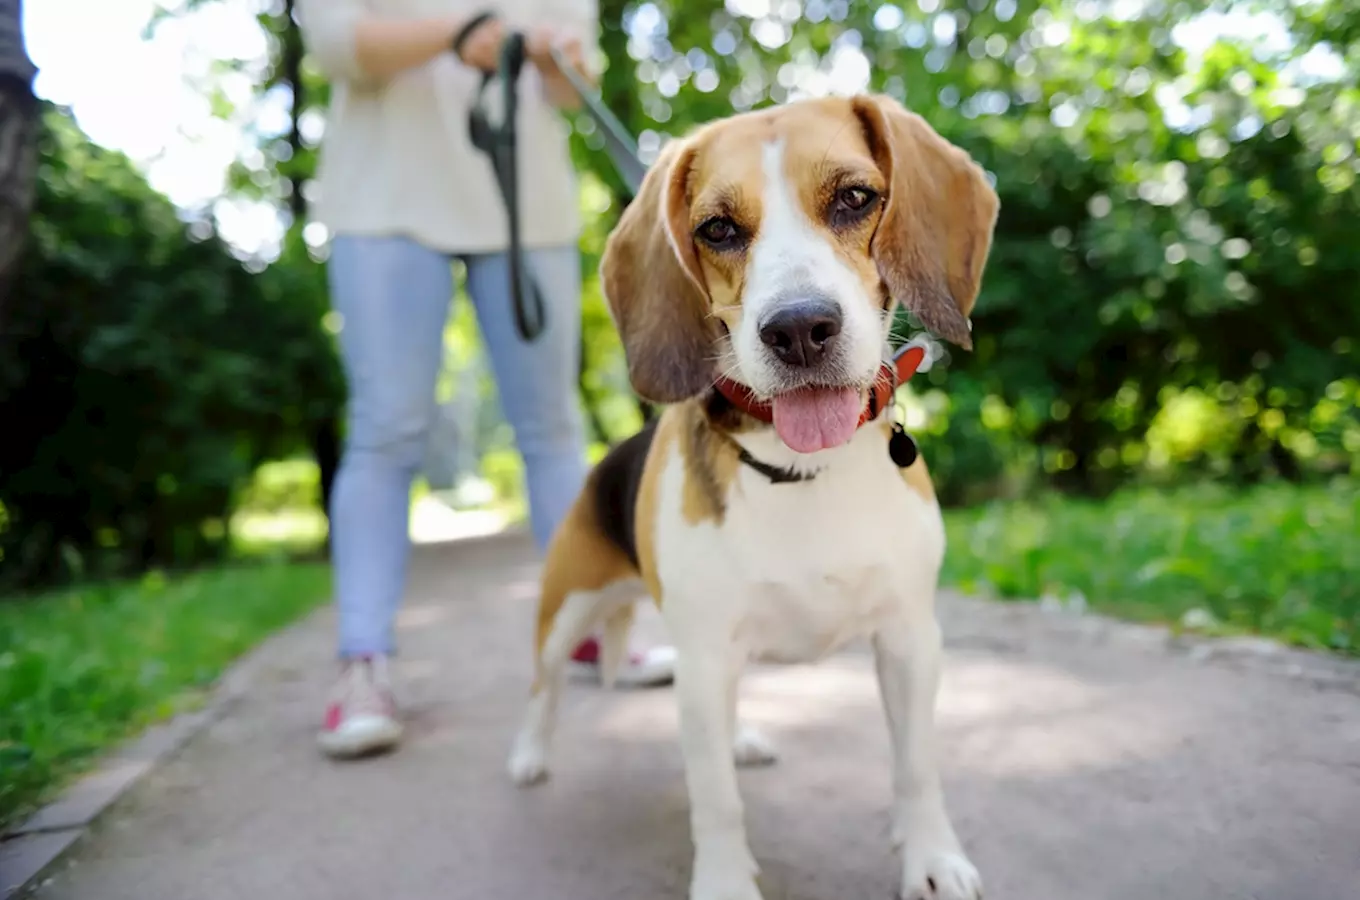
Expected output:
(793, 261)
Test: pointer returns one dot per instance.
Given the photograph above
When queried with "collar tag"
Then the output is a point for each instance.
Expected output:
(901, 447)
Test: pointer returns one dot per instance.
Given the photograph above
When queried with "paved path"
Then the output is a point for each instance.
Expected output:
(1084, 761)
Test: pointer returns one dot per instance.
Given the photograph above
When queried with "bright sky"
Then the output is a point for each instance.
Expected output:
(142, 97)
(145, 97)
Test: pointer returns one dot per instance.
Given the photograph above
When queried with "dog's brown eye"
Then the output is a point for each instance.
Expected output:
(855, 198)
(850, 205)
(720, 232)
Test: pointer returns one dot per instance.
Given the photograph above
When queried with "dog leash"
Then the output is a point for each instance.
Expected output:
(618, 143)
(500, 142)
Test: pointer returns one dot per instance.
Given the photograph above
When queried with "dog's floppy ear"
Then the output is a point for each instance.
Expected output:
(651, 279)
(932, 242)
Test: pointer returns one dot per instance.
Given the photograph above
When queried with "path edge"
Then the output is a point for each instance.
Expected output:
(29, 850)
(1258, 655)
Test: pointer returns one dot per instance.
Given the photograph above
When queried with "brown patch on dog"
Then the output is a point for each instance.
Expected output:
(917, 477)
(649, 499)
(580, 558)
(932, 243)
(711, 461)
(727, 181)
(655, 290)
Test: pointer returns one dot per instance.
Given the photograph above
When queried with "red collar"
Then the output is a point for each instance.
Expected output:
(904, 365)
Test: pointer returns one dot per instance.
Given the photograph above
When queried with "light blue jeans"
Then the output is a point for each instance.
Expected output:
(394, 295)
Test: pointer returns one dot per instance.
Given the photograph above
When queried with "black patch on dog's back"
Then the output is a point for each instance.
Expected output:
(617, 479)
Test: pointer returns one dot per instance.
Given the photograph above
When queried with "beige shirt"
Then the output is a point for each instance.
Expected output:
(396, 157)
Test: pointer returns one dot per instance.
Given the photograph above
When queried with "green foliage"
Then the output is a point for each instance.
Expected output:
(1173, 220)
(1169, 201)
(1276, 560)
(84, 669)
(281, 486)
(151, 370)
(1170, 292)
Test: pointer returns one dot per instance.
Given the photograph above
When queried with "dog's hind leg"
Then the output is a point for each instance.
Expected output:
(614, 642)
(750, 747)
(586, 580)
(578, 614)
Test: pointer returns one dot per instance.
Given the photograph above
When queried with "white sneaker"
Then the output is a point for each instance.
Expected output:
(654, 667)
(362, 715)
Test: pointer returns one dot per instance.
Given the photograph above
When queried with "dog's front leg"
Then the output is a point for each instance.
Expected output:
(907, 654)
(705, 678)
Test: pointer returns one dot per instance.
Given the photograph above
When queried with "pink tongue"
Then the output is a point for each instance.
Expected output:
(816, 419)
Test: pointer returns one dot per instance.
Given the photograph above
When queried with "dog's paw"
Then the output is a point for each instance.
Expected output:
(528, 764)
(752, 748)
(744, 891)
(940, 876)
(737, 887)
(724, 871)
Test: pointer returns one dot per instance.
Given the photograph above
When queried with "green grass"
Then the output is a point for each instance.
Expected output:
(85, 668)
(1279, 560)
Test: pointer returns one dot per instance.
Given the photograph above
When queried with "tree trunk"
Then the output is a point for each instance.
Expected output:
(326, 452)
(325, 436)
(18, 150)
(291, 66)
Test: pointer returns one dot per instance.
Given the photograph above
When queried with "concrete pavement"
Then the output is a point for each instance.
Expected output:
(1084, 759)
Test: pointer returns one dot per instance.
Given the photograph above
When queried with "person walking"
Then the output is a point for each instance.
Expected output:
(403, 193)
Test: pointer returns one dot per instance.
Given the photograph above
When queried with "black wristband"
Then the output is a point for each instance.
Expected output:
(466, 31)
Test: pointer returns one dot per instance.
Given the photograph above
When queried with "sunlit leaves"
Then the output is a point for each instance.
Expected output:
(1179, 206)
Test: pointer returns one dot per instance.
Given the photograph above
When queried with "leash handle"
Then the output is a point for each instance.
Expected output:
(499, 142)
(526, 300)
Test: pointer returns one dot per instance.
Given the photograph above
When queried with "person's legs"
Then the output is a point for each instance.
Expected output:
(537, 381)
(393, 297)
(537, 386)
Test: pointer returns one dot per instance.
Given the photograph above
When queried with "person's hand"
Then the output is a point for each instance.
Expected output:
(540, 43)
(573, 53)
(482, 49)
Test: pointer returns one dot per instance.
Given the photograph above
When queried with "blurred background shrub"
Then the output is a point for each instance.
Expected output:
(1159, 420)
(1171, 296)
(145, 373)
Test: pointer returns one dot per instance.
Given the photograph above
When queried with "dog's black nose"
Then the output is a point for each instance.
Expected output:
(800, 334)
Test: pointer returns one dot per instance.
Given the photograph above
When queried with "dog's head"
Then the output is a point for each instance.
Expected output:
(772, 246)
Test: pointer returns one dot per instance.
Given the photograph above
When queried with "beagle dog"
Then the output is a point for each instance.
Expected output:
(772, 511)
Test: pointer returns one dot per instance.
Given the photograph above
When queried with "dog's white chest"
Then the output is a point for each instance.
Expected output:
(802, 568)
(802, 611)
